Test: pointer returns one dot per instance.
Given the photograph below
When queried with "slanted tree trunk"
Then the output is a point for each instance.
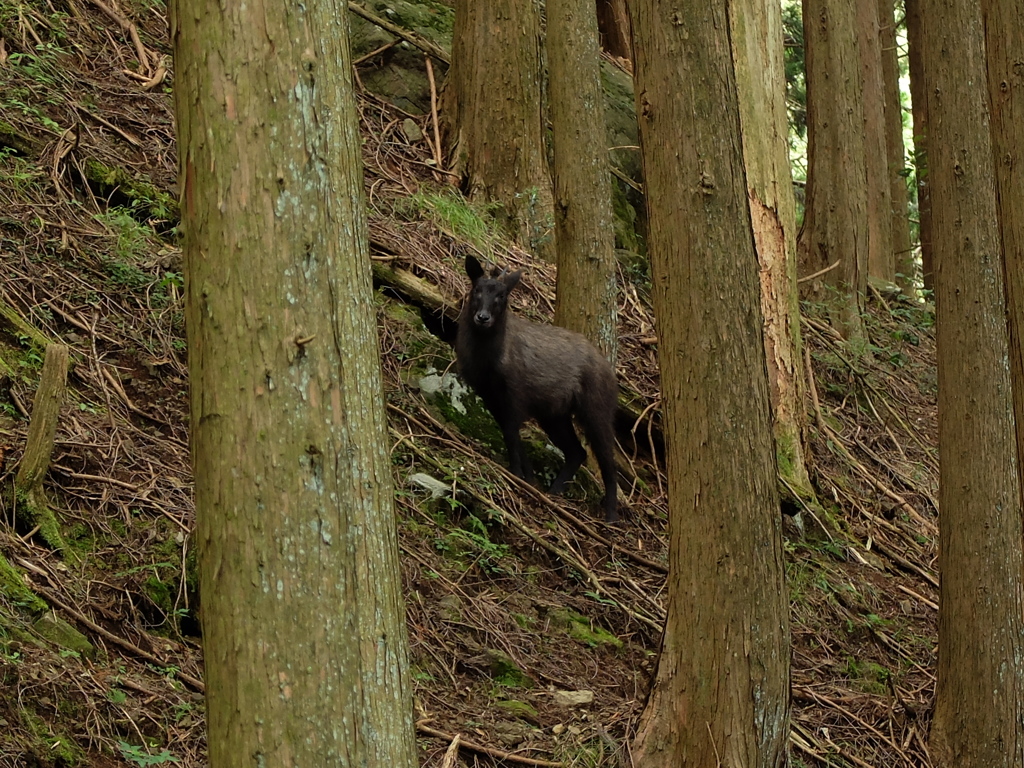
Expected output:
(493, 116)
(584, 231)
(1004, 47)
(613, 24)
(919, 110)
(903, 254)
(303, 633)
(979, 695)
(761, 85)
(881, 262)
(721, 694)
(835, 235)
(33, 508)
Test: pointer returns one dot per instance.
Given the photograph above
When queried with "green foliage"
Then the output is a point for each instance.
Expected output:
(141, 756)
(474, 543)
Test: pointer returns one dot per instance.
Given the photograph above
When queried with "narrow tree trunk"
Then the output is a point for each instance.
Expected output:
(584, 231)
(722, 688)
(919, 107)
(834, 235)
(881, 261)
(613, 24)
(979, 696)
(756, 28)
(903, 254)
(304, 641)
(493, 115)
(1004, 47)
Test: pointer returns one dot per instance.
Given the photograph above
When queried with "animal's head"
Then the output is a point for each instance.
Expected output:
(488, 295)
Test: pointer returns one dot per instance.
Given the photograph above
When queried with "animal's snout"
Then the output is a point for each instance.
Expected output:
(483, 318)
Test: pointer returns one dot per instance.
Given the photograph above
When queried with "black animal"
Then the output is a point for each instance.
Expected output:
(523, 370)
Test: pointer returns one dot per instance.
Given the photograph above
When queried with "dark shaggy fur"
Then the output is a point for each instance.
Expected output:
(523, 370)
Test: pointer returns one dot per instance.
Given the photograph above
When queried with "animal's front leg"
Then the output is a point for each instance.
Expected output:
(518, 463)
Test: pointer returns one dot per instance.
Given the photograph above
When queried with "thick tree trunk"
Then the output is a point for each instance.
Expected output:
(493, 115)
(835, 235)
(903, 254)
(303, 633)
(1004, 47)
(979, 696)
(722, 689)
(587, 286)
(881, 262)
(756, 28)
(919, 107)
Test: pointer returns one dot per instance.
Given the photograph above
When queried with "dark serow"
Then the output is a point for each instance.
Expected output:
(523, 370)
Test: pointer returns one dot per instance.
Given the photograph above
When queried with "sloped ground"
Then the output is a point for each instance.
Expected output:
(513, 597)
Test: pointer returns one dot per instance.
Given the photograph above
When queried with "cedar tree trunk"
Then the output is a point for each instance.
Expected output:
(584, 231)
(1004, 46)
(979, 694)
(721, 695)
(903, 254)
(835, 235)
(756, 28)
(881, 261)
(919, 110)
(493, 115)
(303, 633)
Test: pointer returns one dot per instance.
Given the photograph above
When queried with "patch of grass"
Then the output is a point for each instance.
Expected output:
(451, 211)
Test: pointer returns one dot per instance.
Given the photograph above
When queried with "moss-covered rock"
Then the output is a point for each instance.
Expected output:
(63, 635)
(399, 74)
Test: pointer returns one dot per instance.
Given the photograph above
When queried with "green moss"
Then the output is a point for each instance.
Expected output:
(59, 748)
(504, 672)
(434, 21)
(13, 587)
(159, 593)
(33, 510)
(142, 195)
(582, 630)
(518, 708)
(626, 236)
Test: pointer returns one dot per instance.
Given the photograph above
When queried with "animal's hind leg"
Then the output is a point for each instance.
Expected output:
(563, 435)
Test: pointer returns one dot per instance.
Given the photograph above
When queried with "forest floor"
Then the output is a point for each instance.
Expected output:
(514, 599)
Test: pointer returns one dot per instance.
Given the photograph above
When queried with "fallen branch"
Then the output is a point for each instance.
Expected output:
(422, 727)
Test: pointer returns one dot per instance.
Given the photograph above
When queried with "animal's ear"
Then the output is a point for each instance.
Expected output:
(512, 280)
(473, 268)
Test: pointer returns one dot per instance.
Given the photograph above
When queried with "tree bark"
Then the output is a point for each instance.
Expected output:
(1004, 47)
(919, 108)
(881, 261)
(835, 235)
(493, 116)
(304, 640)
(615, 33)
(979, 696)
(756, 28)
(33, 509)
(903, 254)
(722, 688)
(587, 286)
